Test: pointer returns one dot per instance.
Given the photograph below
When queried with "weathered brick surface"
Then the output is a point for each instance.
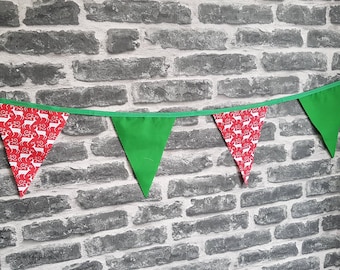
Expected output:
(154, 256)
(189, 39)
(7, 237)
(270, 195)
(222, 245)
(32, 42)
(294, 61)
(57, 13)
(129, 239)
(171, 91)
(234, 14)
(119, 69)
(9, 14)
(298, 14)
(215, 224)
(16, 75)
(34, 207)
(139, 11)
(43, 256)
(84, 209)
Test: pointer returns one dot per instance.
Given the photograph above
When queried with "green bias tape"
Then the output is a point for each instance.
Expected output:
(170, 114)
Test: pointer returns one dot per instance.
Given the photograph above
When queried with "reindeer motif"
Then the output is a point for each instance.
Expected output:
(23, 170)
(254, 112)
(246, 121)
(42, 115)
(25, 153)
(13, 144)
(41, 130)
(28, 122)
(15, 127)
(236, 116)
(39, 147)
(228, 123)
(246, 148)
(238, 156)
(18, 111)
(54, 125)
(248, 160)
(246, 134)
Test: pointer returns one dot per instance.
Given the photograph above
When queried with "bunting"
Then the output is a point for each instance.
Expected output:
(28, 135)
(241, 131)
(143, 140)
(29, 130)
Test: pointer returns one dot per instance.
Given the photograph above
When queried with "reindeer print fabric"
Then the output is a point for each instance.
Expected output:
(241, 131)
(28, 135)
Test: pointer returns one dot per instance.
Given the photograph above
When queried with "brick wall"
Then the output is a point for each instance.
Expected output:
(84, 209)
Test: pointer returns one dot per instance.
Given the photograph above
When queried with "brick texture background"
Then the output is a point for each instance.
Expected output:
(84, 209)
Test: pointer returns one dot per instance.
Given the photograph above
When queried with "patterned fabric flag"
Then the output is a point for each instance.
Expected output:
(28, 135)
(241, 131)
(143, 140)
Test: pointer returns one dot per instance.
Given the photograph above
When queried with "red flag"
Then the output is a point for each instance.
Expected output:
(28, 135)
(241, 131)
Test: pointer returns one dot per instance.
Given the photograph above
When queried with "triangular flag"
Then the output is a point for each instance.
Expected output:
(241, 131)
(323, 110)
(28, 135)
(143, 140)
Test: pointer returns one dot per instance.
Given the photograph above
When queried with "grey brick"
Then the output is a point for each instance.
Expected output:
(271, 215)
(8, 186)
(88, 265)
(107, 147)
(332, 259)
(317, 80)
(14, 95)
(268, 86)
(226, 159)
(294, 61)
(218, 264)
(7, 237)
(312, 207)
(100, 197)
(34, 207)
(334, 14)
(172, 166)
(154, 257)
(336, 61)
(107, 172)
(122, 40)
(43, 255)
(303, 15)
(62, 176)
(80, 97)
(38, 74)
(310, 263)
(153, 213)
(296, 127)
(199, 185)
(323, 186)
(291, 108)
(3, 159)
(215, 224)
(323, 38)
(214, 64)
(302, 149)
(254, 179)
(126, 240)
(234, 243)
(233, 14)
(189, 39)
(299, 171)
(171, 91)
(58, 229)
(296, 230)
(211, 205)
(267, 132)
(320, 243)
(9, 14)
(81, 125)
(66, 151)
(57, 13)
(195, 139)
(331, 223)
(182, 121)
(33, 42)
(270, 153)
(119, 69)
(276, 38)
(275, 253)
(271, 195)
(138, 12)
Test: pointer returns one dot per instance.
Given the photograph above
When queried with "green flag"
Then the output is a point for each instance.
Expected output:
(143, 140)
(323, 110)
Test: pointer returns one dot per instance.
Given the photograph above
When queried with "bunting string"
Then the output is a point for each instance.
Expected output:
(169, 114)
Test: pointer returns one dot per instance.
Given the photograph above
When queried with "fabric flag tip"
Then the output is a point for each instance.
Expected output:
(143, 140)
